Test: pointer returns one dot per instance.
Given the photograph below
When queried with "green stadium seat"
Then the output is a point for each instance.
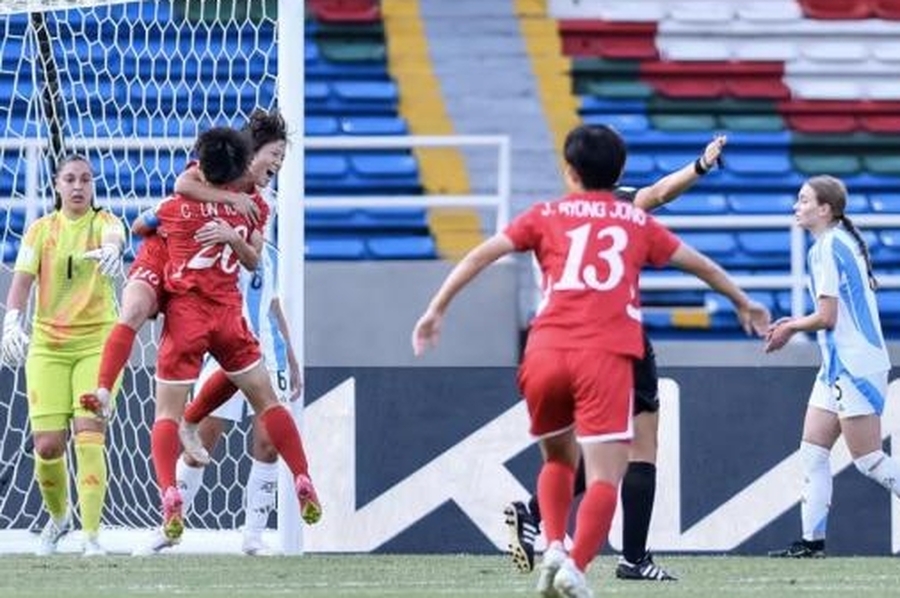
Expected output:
(837, 165)
(882, 163)
(684, 122)
(353, 51)
(619, 89)
(751, 122)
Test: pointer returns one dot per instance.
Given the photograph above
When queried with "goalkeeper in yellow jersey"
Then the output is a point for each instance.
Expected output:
(73, 254)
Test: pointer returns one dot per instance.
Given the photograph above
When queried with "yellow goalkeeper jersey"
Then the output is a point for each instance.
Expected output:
(75, 303)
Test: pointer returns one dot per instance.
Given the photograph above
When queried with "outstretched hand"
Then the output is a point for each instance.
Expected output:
(778, 334)
(754, 318)
(426, 332)
(712, 155)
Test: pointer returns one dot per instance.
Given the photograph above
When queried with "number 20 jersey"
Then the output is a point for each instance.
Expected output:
(590, 248)
(207, 270)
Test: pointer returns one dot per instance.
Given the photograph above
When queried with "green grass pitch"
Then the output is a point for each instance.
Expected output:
(382, 576)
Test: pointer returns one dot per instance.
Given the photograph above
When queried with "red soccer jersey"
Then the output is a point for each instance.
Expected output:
(590, 248)
(208, 270)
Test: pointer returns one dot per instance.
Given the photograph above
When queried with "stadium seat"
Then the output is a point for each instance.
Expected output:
(345, 11)
(766, 248)
(373, 125)
(325, 166)
(762, 203)
(608, 39)
(696, 204)
(845, 10)
(335, 248)
(402, 248)
(320, 126)
(384, 165)
(885, 203)
(886, 9)
(13, 220)
(718, 245)
(10, 249)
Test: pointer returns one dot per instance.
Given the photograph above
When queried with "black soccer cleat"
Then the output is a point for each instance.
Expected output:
(801, 549)
(522, 532)
(644, 570)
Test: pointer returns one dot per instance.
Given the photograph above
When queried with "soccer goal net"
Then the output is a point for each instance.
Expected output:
(128, 84)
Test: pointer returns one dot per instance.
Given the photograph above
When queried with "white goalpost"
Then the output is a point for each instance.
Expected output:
(129, 84)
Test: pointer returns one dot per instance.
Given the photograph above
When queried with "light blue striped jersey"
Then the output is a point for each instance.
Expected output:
(856, 344)
(259, 288)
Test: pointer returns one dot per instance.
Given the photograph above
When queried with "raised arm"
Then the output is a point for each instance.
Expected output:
(674, 184)
(427, 329)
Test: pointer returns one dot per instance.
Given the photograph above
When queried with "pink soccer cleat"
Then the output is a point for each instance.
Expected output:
(310, 509)
(173, 520)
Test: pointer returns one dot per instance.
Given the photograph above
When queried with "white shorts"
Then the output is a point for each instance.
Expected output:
(851, 396)
(237, 407)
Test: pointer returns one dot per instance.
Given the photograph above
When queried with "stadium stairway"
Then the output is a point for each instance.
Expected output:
(455, 230)
(798, 96)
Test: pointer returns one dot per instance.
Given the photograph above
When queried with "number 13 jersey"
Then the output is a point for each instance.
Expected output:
(590, 248)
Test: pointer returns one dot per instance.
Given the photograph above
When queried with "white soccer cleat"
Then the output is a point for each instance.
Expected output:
(253, 545)
(155, 544)
(569, 582)
(91, 547)
(190, 439)
(553, 558)
(52, 533)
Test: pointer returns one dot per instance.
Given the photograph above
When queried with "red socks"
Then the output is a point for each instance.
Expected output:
(215, 391)
(165, 448)
(283, 432)
(555, 487)
(116, 352)
(592, 522)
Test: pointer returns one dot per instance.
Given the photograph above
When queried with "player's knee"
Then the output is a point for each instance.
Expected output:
(49, 447)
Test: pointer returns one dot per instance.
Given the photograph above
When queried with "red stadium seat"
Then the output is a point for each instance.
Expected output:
(822, 116)
(887, 9)
(881, 123)
(749, 80)
(823, 123)
(345, 11)
(636, 41)
(837, 9)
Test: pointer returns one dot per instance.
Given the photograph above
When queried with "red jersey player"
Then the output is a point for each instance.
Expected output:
(207, 243)
(576, 373)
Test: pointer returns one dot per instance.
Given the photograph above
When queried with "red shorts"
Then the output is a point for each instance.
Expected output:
(194, 326)
(587, 388)
(149, 265)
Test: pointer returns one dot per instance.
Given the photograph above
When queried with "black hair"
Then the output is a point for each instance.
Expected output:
(224, 154)
(67, 159)
(265, 127)
(832, 192)
(597, 155)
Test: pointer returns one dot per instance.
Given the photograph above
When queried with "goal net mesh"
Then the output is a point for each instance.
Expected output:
(128, 85)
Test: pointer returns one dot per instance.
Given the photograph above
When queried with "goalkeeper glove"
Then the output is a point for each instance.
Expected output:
(107, 257)
(14, 347)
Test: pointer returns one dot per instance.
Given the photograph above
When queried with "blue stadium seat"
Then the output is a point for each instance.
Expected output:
(325, 166)
(403, 248)
(598, 105)
(625, 123)
(718, 245)
(885, 248)
(164, 127)
(696, 203)
(320, 126)
(335, 249)
(783, 302)
(373, 125)
(639, 165)
(885, 202)
(889, 306)
(13, 220)
(762, 203)
(384, 165)
(766, 162)
(10, 248)
(722, 314)
(766, 249)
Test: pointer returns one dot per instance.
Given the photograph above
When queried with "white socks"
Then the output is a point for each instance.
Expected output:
(262, 484)
(881, 468)
(188, 479)
(817, 488)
